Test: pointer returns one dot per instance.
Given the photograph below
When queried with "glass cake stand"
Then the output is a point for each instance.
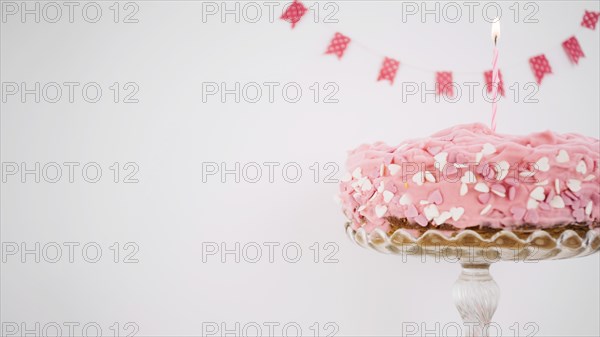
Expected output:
(475, 292)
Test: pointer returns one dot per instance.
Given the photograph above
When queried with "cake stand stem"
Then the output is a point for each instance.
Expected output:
(476, 297)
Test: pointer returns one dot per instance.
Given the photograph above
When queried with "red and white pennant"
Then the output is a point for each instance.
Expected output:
(443, 83)
(338, 45)
(488, 82)
(590, 19)
(294, 13)
(540, 67)
(573, 49)
(388, 70)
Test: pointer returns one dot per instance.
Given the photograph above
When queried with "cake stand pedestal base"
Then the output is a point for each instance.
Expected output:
(476, 297)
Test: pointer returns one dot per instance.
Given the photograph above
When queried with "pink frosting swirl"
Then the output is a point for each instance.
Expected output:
(469, 175)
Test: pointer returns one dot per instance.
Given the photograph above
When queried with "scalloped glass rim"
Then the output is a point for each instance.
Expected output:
(469, 245)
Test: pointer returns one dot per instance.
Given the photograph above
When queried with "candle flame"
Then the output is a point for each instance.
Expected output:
(495, 30)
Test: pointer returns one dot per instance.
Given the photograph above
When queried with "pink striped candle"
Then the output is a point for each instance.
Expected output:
(495, 79)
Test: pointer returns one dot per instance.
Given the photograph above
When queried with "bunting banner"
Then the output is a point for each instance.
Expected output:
(540, 65)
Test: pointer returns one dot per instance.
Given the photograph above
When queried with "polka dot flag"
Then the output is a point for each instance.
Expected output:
(488, 82)
(388, 71)
(294, 13)
(443, 83)
(573, 49)
(590, 19)
(540, 67)
(338, 45)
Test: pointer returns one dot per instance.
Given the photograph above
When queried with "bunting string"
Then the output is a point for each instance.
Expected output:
(539, 64)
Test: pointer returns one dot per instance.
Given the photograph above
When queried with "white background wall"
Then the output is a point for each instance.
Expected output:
(170, 132)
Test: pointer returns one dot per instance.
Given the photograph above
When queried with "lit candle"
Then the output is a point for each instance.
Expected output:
(495, 77)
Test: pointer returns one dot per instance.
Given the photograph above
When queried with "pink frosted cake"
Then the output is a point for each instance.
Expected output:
(471, 177)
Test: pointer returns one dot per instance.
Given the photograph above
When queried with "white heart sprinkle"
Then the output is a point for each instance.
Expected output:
(532, 204)
(482, 187)
(405, 200)
(380, 210)
(443, 217)
(581, 167)
(346, 177)
(394, 169)
(538, 193)
(381, 187)
(366, 184)
(478, 157)
(463, 189)
(589, 178)
(526, 174)
(557, 186)
(488, 149)
(499, 193)
(574, 185)
(429, 177)
(557, 202)
(503, 168)
(357, 173)
(543, 164)
(457, 212)
(486, 209)
(387, 196)
(418, 178)
(441, 159)
(360, 184)
(431, 211)
(588, 208)
(468, 178)
(562, 156)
